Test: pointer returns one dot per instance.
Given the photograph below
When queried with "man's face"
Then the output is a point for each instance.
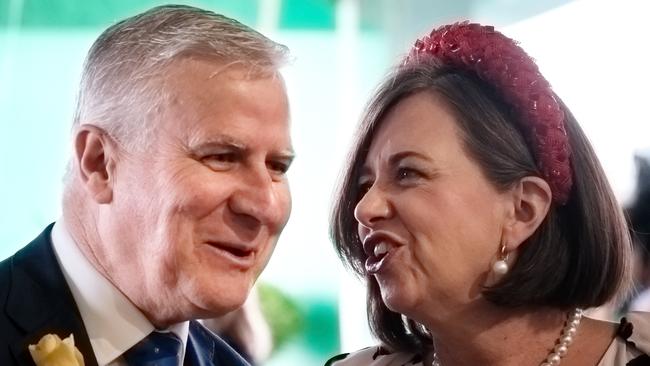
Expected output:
(195, 218)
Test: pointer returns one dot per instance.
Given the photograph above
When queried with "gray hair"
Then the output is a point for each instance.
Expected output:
(116, 93)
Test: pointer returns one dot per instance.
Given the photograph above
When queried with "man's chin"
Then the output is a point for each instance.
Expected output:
(214, 304)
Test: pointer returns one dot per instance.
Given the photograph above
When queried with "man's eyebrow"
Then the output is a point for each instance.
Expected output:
(287, 154)
(223, 141)
(228, 142)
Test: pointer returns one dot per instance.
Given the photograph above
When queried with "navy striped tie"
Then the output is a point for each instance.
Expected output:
(157, 349)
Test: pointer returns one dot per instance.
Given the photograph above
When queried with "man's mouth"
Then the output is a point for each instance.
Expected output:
(234, 251)
(239, 255)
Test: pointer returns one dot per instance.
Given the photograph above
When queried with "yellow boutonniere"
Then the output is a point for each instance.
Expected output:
(52, 351)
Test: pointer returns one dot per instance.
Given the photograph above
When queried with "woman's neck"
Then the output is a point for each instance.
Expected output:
(485, 334)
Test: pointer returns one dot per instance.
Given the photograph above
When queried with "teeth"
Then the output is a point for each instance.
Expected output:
(380, 249)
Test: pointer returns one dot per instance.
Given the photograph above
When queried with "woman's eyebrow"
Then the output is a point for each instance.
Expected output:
(397, 157)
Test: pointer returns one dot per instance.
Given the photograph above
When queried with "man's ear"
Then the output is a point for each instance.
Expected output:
(96, 154)
(531, 201)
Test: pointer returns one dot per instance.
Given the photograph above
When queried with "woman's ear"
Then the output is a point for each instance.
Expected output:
(95, 154)
(531, 201)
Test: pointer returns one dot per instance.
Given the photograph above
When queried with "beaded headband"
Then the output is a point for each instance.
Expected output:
(499, 61)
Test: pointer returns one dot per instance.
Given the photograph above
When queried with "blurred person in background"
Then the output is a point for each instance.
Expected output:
(246, 330)
(174, 200)
(638, 215)
(480, 218)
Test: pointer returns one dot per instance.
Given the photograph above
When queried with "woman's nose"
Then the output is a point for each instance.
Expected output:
(373, 206)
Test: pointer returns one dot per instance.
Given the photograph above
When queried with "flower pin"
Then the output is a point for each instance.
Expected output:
(52, 351)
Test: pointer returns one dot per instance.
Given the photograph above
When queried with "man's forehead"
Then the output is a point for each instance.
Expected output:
(211, 103)
(203, 67)
(208, 84)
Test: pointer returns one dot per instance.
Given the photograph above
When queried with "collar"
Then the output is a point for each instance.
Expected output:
(113, 323)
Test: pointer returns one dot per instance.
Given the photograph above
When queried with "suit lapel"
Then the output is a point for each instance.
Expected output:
(40, 301)
(206, 349)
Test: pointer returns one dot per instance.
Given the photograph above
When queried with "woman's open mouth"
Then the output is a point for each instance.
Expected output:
(380, 255)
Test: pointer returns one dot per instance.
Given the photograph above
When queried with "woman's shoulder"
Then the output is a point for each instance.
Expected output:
(375, 356)
(632, 343)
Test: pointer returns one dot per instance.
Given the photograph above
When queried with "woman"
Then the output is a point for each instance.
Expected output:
(477, 212)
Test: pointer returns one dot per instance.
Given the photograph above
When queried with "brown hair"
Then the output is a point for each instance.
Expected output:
(579, 255)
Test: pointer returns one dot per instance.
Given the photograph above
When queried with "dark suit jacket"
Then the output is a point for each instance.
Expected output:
(35, 300)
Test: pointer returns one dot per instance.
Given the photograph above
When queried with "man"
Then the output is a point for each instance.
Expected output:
(175, 196)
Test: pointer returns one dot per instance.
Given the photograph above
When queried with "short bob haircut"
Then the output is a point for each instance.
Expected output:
(578, 257)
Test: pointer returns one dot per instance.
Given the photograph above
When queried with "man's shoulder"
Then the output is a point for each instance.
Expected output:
(5, 285)
(5, 271)
(15, 272)
(35, 300)
(21, 259)
(34, 257)
(39, 246)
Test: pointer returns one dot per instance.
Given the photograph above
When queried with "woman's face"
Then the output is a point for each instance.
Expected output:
(429, 220)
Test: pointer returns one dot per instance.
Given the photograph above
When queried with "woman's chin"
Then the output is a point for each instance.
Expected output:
(397, 301)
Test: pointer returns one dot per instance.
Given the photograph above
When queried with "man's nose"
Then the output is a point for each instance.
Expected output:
(374, 206)
(261, 200)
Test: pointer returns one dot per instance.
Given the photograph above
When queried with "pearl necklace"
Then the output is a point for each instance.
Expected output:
(561, 344)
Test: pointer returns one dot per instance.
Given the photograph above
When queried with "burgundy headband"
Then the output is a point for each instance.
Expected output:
(499, 61)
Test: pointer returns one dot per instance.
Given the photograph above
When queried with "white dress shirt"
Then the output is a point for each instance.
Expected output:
(113, 323)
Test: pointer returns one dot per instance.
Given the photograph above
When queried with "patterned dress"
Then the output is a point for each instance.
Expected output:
(631, 347)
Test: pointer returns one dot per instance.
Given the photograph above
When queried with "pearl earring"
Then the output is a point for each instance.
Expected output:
(500, 267)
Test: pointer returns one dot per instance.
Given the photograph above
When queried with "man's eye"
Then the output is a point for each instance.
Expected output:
(220, 160)
(278, 167)
(223, 157)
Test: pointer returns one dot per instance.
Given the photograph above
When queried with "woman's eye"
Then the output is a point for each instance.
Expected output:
(363, 188)
(407, 173)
